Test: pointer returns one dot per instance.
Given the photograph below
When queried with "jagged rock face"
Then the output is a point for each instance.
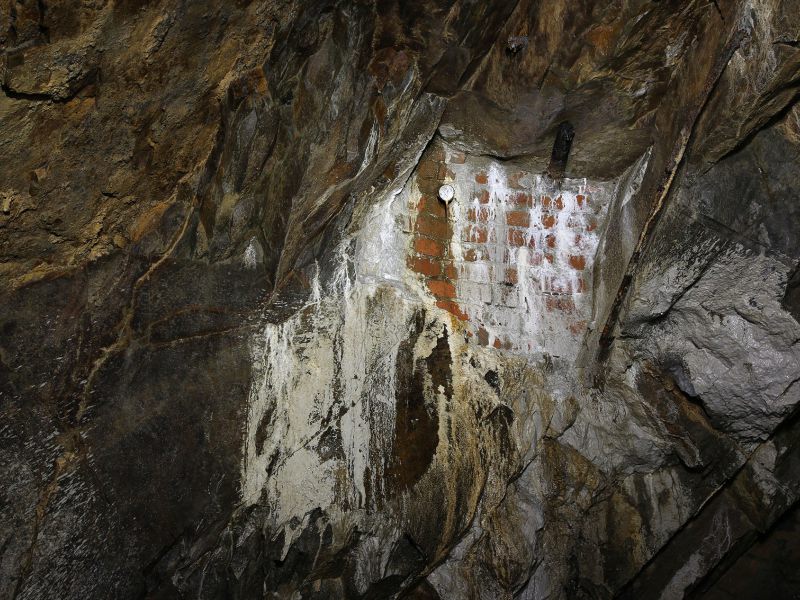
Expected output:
(248, 352)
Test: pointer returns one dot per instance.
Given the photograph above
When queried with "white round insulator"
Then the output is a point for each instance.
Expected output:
(447, 193)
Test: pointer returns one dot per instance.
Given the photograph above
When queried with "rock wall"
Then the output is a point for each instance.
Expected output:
(246, 351)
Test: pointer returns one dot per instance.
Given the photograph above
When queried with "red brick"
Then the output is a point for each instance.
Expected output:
(577, 262)
(457, 158)
(548, 221)
(473, 255)
(478, 234)
(484, 197)
(511, 276)
(427, 169)
(478, 215)
(546, 201)
(482, 178)
(580, 198)
(428, 247)
(442, 288)
(550, 240)
(516, 238)
(549, 257)
(535, 259)
(560, 303)
(429, 186)
(450, 272)
(523, 199)
(434, 228)
(559, 203)
(426, 266)
(497, 343)
(518, 218)
(554, 287)
(431, 205)
(454, 309)
(514, 180)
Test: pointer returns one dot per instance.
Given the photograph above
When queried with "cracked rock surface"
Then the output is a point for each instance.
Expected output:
(246, 352)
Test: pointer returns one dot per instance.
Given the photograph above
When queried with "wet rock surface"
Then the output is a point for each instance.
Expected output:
(246, 352)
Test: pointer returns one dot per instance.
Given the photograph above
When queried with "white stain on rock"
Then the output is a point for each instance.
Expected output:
(253, 254)
(321, 421)
(322, 411)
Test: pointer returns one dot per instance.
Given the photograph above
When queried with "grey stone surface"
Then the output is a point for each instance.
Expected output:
(223, 374)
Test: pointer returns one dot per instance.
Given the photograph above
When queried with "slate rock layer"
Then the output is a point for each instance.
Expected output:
(245, 352)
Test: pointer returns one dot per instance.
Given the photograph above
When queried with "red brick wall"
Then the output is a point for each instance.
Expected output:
(513, 258)
(431, 256)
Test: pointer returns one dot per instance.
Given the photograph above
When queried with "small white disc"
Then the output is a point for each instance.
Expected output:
(447, 193)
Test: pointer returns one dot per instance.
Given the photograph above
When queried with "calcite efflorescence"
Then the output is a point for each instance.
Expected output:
(246, 351)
